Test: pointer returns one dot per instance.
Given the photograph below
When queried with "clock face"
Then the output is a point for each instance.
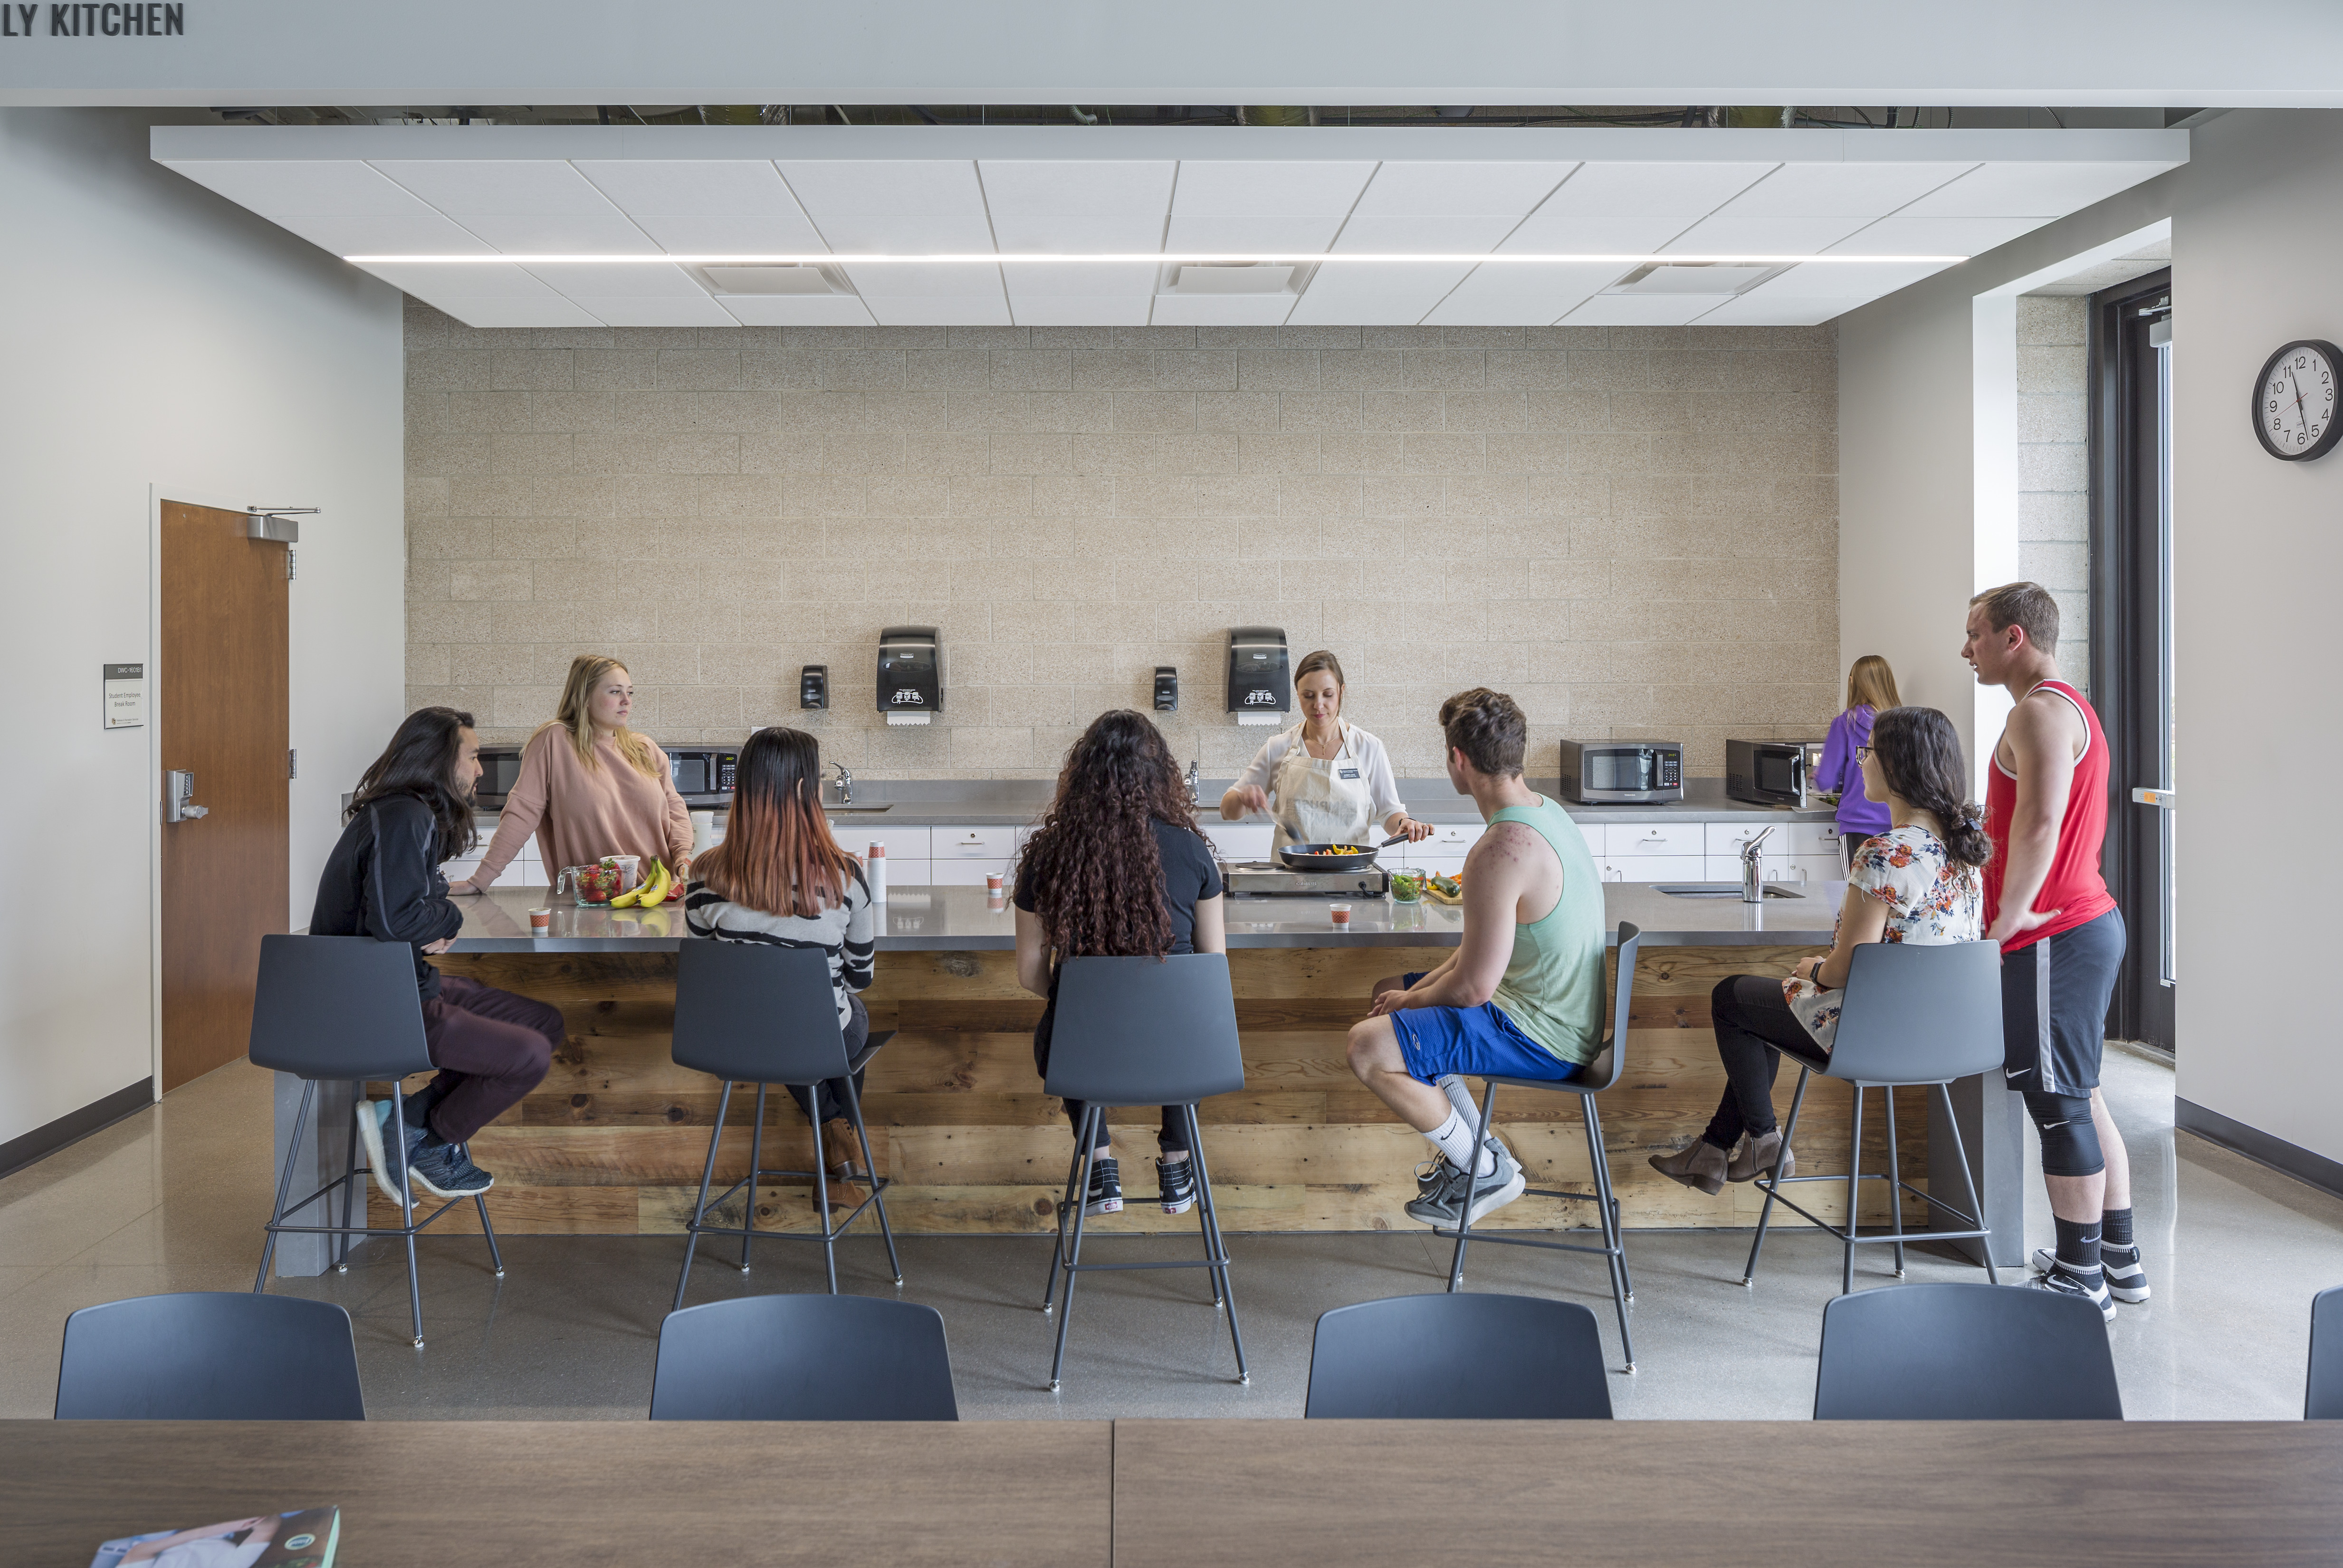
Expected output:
(2295, 402)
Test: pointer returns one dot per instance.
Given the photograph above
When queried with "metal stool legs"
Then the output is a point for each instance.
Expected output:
(1066, 1247)
(1606, 1208)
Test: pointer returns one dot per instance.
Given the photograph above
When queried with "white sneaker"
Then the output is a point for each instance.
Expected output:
(2091, 1287)
(2127, 1280)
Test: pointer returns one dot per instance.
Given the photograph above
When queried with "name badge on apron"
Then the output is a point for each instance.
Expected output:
(1350, 773)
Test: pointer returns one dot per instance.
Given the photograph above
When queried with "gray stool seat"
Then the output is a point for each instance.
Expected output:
(1912, 1016)
(345, 1009)
(750, 1013)
(1955, 1351)
(1462, 1356)
(1600, 1074)
(210, 1355)
(804, 1358)
(1142, 1031)
(2322, 1392)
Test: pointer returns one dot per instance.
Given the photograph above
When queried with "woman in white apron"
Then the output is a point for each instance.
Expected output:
(1323, 781)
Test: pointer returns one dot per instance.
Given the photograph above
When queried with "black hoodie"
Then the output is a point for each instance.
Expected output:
(383, 882)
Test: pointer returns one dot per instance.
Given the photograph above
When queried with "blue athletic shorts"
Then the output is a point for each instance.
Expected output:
(1481, 1042)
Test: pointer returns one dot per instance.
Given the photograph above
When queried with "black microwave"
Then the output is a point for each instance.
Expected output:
(499, 770)
(1621, 772)
(1766, 772)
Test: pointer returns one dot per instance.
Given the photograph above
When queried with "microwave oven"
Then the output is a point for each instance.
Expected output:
(1767, 772)
(499, 770)
(1621, 772)
(702, 775)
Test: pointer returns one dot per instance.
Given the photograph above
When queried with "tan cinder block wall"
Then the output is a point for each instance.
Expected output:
(2053, 477)
(1633, 530)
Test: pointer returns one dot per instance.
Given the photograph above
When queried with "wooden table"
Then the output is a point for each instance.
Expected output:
(1814, 1494)
(433, 1494)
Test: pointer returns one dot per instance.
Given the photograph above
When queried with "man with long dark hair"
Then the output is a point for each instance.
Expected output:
(412, 810)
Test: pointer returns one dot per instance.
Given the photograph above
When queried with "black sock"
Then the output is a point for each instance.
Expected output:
(2114, 1228)
(2078, 1245)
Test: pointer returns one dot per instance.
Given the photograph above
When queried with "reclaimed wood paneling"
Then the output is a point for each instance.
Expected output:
(616, 1137)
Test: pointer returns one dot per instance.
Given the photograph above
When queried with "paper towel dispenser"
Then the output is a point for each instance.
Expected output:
(1259, 689)
(911, 674)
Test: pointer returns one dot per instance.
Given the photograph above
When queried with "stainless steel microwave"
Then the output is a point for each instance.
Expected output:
(1621, 772)
(499, 770)
(702, 775)
(1767, 772)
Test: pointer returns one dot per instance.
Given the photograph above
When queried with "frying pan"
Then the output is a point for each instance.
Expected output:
(1315, 857)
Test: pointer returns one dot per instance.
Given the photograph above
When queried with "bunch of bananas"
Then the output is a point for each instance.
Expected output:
(651, 893)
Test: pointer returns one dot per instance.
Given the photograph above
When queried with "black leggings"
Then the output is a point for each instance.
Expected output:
(826, 1100)
(1173, 1139)
(1751, 1020)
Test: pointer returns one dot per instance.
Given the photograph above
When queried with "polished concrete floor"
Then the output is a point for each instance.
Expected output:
(173, 1199)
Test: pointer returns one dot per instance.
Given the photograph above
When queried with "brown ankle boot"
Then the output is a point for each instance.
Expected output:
(1757, 1156)
(1700, 1164)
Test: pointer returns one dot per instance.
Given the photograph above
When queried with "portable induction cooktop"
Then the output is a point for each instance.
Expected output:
(1261, 880)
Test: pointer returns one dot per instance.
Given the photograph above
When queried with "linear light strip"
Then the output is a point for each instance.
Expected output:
(989, 258)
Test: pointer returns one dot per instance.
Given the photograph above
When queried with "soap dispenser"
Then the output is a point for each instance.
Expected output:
(813, 685)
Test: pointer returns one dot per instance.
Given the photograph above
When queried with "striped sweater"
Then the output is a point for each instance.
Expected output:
(846, 933)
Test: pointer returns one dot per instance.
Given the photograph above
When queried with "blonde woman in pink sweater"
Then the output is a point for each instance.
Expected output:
(589, 786)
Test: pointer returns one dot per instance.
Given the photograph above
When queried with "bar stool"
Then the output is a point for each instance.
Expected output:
(1600, 1074)
(1914, 1016)
(345, 1009)
(749, 1013)
(1143, 1032)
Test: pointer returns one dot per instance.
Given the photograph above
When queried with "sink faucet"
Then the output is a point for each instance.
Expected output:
(845, 784)
(1753, 869)
(1195, 788)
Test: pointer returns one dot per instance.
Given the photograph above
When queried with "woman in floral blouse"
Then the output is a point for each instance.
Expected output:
(1916, 883)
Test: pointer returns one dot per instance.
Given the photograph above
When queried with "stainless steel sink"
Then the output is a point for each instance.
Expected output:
(1716, 890)
(862, 811)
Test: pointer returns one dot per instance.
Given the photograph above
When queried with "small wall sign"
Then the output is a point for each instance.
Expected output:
(126, 696)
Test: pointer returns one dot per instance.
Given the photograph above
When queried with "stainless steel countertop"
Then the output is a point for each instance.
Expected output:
(963, 919)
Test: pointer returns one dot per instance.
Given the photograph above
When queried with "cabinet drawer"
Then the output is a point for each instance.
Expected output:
(907, 873)
(855, 835)
(967, 873)
(1658, 868)
(1452, 839)
(972, 844)
(1625, 839)
(1787, 838)
(1240, 841)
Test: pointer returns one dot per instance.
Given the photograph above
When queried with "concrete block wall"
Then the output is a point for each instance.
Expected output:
(2053, 470)
(1633, 530)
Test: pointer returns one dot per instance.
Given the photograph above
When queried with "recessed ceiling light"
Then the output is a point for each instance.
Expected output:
(1227, 279)
(1697, 278)
(786, 278)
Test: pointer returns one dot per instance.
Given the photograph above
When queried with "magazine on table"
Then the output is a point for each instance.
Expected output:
(304, 1538)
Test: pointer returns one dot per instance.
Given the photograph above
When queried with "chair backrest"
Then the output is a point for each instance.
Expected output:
(1464, 1357)
(1605, 1069)
(1145, 1031)
(752, 1013)
(210, 1355)
(1965, 1353)
(2322, 1394)
(803, 1358)
(1917, 1014)
(337, 1007)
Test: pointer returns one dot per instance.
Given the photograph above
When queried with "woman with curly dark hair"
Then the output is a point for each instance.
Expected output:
(1117, 869)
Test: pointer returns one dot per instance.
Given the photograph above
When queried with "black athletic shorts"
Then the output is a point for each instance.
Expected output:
(2054, 1007)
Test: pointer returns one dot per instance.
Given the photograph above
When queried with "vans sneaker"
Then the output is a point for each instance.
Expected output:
(1105, 1194)
(1176, 1180)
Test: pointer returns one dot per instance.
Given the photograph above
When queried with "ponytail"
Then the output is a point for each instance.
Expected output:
(1920, 752)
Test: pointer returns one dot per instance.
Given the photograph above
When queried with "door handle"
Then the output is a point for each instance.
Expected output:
(178, 798)
(2168, 800)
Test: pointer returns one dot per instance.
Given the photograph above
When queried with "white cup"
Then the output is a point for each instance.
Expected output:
(540, 923)
(1340, 914)
(630, 871)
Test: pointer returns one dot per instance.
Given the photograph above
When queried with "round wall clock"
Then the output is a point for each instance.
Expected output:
(2295, 400)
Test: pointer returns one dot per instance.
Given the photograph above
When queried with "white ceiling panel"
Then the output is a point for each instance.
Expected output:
(1418, 189)
(889, 188)
(1726, 234)
(1575, 236)
(284, 188)
(1645, 190)
(1216, 234)
(1039, 189)
(787, 310)
(961, 234)
(733, 236)
(606, 233)
(1525, 292)
(1937, 235)
(644, 310)
(1647, 310)
(1847, 279)
(1077, 309)
(1842, 190)
(940, 310)
(1402, 234)
(424, 233)
(733, 206)
(1228, 310)
(1375, 293)
(2031, 189)
(550, 311)
(1040, 277)
(533, 187)
(1747, 311)
(580, 279)
(1052, 233)
(469, 281)
(872, 279)
(1224, 189)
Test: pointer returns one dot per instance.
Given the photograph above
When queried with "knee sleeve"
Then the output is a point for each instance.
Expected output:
(2070, 1143)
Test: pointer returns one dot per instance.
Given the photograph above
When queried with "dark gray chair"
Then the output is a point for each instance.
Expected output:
(345, 1009)
(2322, 1394)
(1912, 1016)
(803, 1358)
(1459, 1357)
(749, 1013)
(1600, 1075)
(1965, 1353)
(1142, 1031)
(209, 1356)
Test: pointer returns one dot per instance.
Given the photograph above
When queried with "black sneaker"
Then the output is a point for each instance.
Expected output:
(444, 1170)
(2127, 1281)
(2090, 1286)
(1176, 1180)
(1105, 1195)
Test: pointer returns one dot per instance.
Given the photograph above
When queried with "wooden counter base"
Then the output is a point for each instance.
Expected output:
(615, 1137)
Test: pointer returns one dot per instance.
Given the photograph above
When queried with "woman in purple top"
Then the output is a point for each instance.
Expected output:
(1870, 687)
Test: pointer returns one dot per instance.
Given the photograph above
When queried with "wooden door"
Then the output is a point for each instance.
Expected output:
(220, 714)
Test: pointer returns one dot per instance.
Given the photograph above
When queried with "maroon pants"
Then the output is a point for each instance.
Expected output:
(490, 1046)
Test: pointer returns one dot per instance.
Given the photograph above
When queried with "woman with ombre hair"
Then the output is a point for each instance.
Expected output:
(779, 877)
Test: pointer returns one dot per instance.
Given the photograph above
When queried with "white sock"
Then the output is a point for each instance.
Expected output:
(1453, 1138)
(1453, 1085)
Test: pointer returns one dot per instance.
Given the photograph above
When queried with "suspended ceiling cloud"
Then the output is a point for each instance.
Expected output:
(607, 225)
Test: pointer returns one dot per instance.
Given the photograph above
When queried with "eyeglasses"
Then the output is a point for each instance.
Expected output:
(1863, 754)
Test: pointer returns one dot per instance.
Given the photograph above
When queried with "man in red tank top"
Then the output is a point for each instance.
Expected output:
(2061, 936)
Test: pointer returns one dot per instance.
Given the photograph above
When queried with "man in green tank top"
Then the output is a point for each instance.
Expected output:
(1522, 997)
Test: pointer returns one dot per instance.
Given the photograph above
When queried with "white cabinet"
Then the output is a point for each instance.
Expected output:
(1787, 837)
(967, 873)
(1623, 841)
(1455, 839)
(971, 844)
(855, 835)
(1655, 869)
